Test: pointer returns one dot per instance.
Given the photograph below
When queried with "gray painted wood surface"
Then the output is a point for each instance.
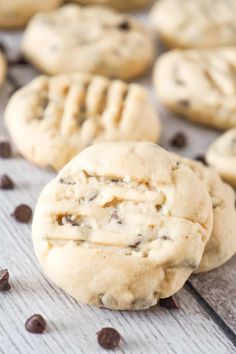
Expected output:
(206, 322)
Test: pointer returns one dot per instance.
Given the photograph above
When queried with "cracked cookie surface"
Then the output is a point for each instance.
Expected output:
(95, 39)
(122, 5)
(16, 13)
(69, 112)
(222, 243)
(222, 156)
(199, 85)
(195, 23)
(122, 225)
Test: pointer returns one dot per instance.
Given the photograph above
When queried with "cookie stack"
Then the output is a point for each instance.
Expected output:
(125, 223)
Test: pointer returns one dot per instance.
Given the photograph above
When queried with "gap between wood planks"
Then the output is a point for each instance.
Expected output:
(211, 312)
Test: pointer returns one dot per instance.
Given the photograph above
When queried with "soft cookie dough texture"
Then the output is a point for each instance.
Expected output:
(122, 225)
(93, 39)
(222, 156)
(222, 243)
(195, 23)
(122, 5)
(3, 68)
(16, 13)
(199, 84)
(53, 118)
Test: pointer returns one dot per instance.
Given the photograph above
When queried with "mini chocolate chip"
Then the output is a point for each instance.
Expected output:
(165, 238)
(6, 182)
(67, 219)
(169, 303)
(179, 140)
(202, 159)
(2, 47)
(115, 216)
(19, 60)
(63, 181)
(5, 149)
(124, 26)
(184, 103)
(4, 280)
(93, 197)
(108, 338)
(35, 324)
(113, 180)
(135, 244)
(22, 213)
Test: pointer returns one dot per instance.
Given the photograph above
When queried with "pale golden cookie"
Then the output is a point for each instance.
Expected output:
(222, 156)
(122, 225)
(195, 23)
(93, 39)
(53, 118)
(200, 85)
(16, 13)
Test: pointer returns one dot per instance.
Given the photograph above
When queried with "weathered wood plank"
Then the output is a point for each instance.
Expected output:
(218, 288)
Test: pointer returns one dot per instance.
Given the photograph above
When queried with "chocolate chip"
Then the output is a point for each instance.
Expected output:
(115, 216)
(4, 280)
(108, 338)
(2, 47)
(165, 238)
(93, 197)
(68, 182)
(35, 324)
(184, 103)
(67, 219)
(22, 213)
(202, 159)
(135, 244)
(169, 303)
(113, 180)
(5, 149)
(19, 60)
(6, 182)
(179, 140)
(124, 26)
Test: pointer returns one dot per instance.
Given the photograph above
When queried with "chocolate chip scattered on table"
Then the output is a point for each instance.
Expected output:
(22, 213)
(4, 280)
(5, 149)
(35, 324)
(108, 338)
(179, 140)
(6, 182)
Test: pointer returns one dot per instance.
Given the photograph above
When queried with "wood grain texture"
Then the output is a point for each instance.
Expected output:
(71, 326)
(218, 288)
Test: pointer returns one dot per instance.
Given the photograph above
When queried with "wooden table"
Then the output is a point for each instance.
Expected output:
(206, 322)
